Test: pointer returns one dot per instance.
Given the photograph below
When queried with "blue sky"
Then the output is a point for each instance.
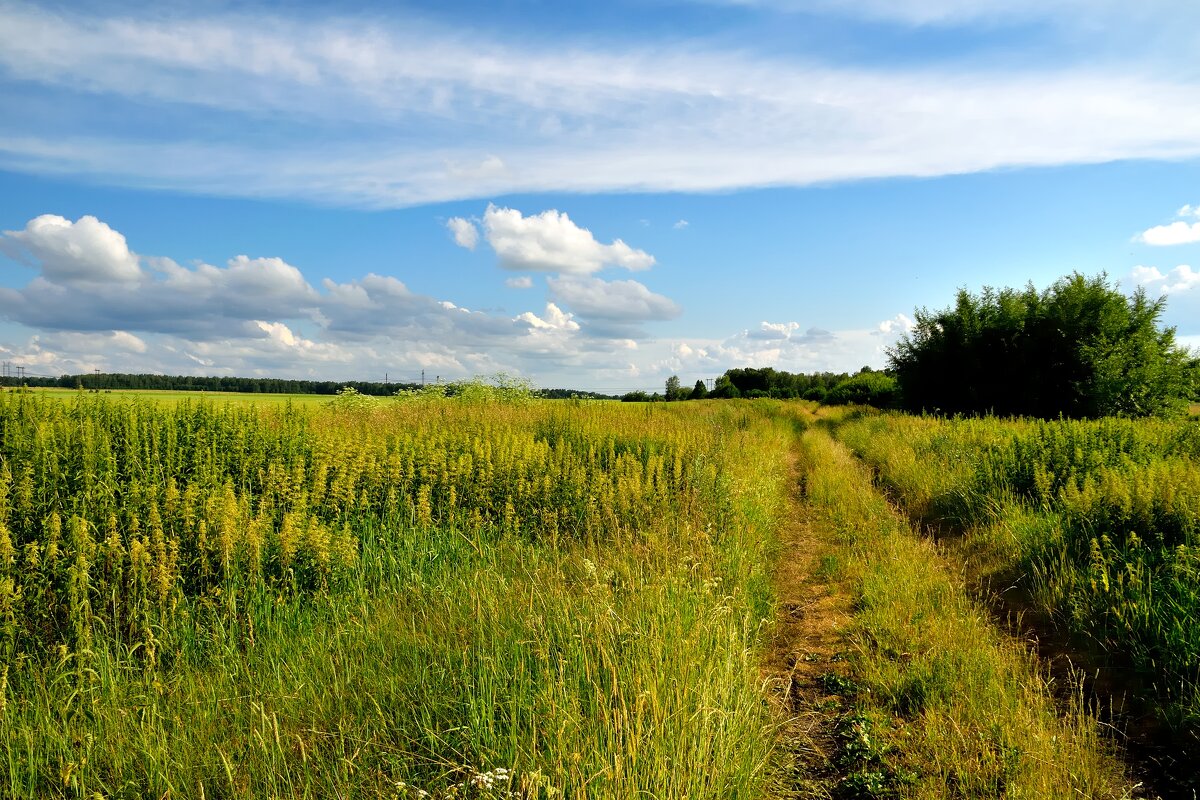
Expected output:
(591, 195)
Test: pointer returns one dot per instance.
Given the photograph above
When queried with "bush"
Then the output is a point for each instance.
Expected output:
(1079, 349)
(866, 388)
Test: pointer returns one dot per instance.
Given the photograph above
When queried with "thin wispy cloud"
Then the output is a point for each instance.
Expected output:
(389, 114)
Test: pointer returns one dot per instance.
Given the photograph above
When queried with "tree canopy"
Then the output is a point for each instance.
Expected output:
(1081, 348)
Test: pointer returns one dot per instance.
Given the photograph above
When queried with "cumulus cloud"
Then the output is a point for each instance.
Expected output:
(519, 282)
(1181, 279)
(768, 331)
(261, 316)
(612, 301)
(551, 242)
(464, 231)
(554, 318)
(1181, 231)
(1178, 232)
(84, 251)
(899, 324)
(680, 225)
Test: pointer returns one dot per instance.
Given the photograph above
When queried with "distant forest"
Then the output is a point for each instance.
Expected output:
(189, 383)
(865, 386)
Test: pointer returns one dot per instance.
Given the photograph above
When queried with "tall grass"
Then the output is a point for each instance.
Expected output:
(1099, 520)
(425, 596)
(944, 705)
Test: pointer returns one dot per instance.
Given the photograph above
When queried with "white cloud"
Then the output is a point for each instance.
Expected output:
(613, 301)
(261, 316)
(901, 323)
(554, 318)
(1177, 232)
(86, 250)
(680, 225)
(551, 242)
(400, 113)
(1181, 279)
(519, 282)
(768, 331)
(464, 231)
(1143, 275)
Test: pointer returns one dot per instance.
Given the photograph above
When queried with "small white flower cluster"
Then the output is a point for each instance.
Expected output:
(478, 785)
(489, 779)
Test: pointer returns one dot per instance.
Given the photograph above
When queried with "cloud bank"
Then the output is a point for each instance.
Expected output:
(94, 303)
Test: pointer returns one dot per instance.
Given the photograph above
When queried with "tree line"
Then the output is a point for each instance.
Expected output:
(106, 381)
(1080, 349)
(874, 387)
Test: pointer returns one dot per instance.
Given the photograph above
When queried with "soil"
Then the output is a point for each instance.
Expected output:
(803, 655)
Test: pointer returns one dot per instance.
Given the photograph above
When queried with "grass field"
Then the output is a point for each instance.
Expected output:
(492, 596)
(223, 600)
(1095, 525)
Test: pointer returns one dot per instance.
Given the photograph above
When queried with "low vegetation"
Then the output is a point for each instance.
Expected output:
(439, 597)
(471, 592)
(1096, 522)
(940, 704)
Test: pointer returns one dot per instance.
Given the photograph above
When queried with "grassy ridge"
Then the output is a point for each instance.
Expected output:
(943, 705)
(554, 599)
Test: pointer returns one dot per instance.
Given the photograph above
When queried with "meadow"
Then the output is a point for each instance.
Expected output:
(495, 596)
(406, 599)
(1092, 527)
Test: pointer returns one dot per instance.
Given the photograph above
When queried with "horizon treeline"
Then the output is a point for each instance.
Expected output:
(106, 381)
(868, 385)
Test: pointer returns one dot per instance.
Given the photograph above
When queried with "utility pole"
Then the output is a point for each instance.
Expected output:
(97, 372)
(422, 379)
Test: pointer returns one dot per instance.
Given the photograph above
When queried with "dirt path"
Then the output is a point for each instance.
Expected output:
(802, 659)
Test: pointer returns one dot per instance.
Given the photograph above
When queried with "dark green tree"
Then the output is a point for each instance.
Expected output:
(866, 388)
(675, 391)
(699, 391)
(1081, 348)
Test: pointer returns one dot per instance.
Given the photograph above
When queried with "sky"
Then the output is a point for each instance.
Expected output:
(594, 195)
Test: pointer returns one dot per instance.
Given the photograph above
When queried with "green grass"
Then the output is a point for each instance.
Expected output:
(1097, 523)
(944, 705)
(591, 655)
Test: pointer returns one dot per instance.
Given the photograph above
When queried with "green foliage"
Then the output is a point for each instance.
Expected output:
(945, 706)
(699, 391)
(1078, 349)
(497, 388)
(1100, 517)
(675, 390)
(725, 388)
(769, 382)
(865, 388)
(384, 599)
(350, 399)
